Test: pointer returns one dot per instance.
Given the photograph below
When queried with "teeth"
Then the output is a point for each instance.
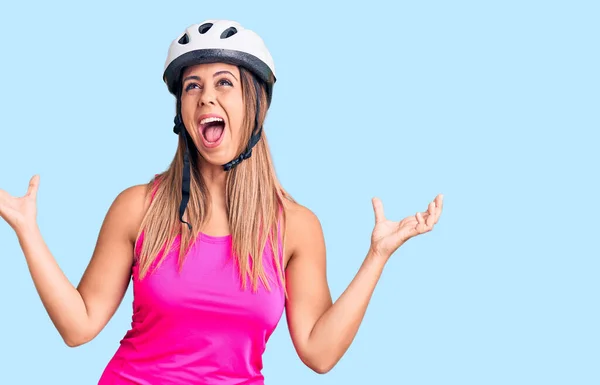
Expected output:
(210, 120)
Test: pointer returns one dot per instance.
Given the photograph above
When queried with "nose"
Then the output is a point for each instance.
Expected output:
(207, 97)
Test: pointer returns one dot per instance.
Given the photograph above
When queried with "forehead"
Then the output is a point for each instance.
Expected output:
(209, 69)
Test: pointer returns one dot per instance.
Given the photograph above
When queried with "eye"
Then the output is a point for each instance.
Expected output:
(224, 82)
(191, 86)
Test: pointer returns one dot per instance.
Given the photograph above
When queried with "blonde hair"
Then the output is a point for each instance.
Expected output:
(254, 201)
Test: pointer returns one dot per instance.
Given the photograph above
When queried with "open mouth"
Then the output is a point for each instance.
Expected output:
(212, 129)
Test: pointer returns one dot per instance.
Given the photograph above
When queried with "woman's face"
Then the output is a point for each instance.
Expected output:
(212, 109)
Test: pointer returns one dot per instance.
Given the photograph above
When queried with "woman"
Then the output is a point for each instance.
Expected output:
(214, 245)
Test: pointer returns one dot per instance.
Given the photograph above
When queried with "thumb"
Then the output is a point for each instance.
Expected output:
(378, 208)
(32, 190)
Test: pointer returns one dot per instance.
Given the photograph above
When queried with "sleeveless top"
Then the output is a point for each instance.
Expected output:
(197, 325)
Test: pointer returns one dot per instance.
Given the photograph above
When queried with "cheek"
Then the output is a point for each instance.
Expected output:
(236, 120)
(187, 110)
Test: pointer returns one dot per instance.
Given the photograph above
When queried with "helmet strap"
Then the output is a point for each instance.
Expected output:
(254, 139)
(179, 128)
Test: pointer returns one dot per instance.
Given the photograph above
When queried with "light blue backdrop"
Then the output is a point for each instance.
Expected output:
(493, 104)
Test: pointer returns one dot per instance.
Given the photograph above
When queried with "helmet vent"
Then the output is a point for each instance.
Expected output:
(228, 32)
(184, 39)
(204, 28)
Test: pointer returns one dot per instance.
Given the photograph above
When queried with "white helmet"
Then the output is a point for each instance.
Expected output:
(221, 41)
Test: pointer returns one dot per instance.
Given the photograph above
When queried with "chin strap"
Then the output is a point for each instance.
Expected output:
(247, 153)
(254, 139)
(179, 129)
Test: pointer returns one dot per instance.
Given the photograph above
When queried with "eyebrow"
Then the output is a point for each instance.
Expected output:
(194, 77)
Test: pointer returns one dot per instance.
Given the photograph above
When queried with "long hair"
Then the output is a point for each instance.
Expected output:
(255, 203)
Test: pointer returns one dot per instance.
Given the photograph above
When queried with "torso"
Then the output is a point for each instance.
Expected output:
(197, 324)
(218, 226)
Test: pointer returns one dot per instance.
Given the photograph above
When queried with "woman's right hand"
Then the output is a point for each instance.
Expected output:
(20, 212)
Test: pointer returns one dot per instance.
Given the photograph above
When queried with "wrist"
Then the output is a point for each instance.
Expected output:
(378, 256)
(25, 230)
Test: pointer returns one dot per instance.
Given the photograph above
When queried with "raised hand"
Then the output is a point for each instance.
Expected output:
(388, 236)
(20, 212)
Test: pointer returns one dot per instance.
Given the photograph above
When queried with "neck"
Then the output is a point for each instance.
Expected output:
(215, 178)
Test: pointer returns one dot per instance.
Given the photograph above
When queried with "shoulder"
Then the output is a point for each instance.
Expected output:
(129, 208)
(302, 226)
(299, 216)
(133, 199)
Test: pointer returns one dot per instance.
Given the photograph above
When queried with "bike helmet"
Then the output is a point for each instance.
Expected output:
(222, 41)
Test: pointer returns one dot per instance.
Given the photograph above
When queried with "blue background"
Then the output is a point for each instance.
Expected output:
(494, 104)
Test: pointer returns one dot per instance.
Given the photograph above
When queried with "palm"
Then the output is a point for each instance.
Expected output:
(388, 235)
(18, 211)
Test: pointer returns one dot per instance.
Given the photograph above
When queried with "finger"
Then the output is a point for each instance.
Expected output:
(378, 209)
(409, 232)
(3, 195)
(431, 209)
(420, 222)
(430, 220)
(4, 198)
(424, 216)
(412, 220)
(439, 202)
(32, 190)
(408, 222)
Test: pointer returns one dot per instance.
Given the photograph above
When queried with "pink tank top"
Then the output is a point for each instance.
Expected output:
(197, 326)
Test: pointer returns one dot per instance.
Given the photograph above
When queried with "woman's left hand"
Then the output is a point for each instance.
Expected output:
(388, 236)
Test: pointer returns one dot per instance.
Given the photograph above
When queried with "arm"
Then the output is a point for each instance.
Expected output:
(321, 331)
(79, 314)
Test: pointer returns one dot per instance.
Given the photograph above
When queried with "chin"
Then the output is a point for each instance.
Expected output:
(216, 158)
